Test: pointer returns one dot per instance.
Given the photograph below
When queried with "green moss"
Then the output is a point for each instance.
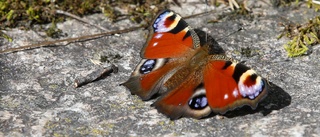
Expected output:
(10, 15)
(33, 14)
(53, 31)
(110, 12)
(3, 35)
(20, 12)
(4, 8)
(313, 4)
(295, 47)
(303, 36)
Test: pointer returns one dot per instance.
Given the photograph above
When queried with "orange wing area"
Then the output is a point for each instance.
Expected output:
(148, 81)
(174, 104)
(168, 45)
(221, 89)
(145, 85)
(179, 96)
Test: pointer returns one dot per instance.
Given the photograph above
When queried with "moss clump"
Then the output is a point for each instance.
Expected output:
(3, 35)
(303, 36)
(20, 12)
(314, 4)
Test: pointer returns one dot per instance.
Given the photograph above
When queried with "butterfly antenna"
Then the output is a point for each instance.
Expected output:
(207, 4)
(230, 34)
(207, 12)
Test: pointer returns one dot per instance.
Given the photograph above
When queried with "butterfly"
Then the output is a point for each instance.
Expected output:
(191, 74)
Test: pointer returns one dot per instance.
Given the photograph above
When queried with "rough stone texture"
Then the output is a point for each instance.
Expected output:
(37, 97)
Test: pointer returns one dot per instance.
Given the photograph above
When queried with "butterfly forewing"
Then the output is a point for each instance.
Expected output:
(170, 39)
(148, 77)
(170, 36)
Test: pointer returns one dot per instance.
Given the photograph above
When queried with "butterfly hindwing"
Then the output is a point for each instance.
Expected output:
(231, 85)
(187, 100)
(225, 86)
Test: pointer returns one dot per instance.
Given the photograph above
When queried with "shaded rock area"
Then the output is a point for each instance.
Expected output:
(38, 98)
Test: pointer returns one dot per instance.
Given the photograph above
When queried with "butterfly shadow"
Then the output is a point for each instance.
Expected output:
(276, 99)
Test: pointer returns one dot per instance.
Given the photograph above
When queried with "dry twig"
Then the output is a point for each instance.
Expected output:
(69, 40)
(95, 76)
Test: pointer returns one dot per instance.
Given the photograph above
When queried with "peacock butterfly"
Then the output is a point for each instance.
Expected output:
(192, 75)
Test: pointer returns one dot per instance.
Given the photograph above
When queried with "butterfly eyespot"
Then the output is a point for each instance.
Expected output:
(198, 102)
(147, 66)
(251, 85)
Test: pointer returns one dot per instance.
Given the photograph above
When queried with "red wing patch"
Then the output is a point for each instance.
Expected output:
(230, 85)
(170, 37)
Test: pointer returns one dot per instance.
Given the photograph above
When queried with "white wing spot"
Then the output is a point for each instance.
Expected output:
(235, 93)
(226, 96)
(155, 44)
(158, 36)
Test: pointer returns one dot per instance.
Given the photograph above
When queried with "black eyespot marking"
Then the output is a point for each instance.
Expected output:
(188, 34)
(173, 17)
(228, 63)
(238, 71)
(179, 27)
(147, 66)
(253, 77)
(198, 102)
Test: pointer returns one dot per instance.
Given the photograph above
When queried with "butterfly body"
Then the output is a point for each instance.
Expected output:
(191, 73)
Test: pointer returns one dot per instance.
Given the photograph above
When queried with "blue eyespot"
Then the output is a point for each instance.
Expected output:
(147, 66)
(198, 102)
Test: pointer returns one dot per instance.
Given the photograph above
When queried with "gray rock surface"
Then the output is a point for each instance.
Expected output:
(37, 97)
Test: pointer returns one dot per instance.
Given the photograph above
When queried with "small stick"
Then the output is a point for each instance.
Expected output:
(69, 40)
(95, 76)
